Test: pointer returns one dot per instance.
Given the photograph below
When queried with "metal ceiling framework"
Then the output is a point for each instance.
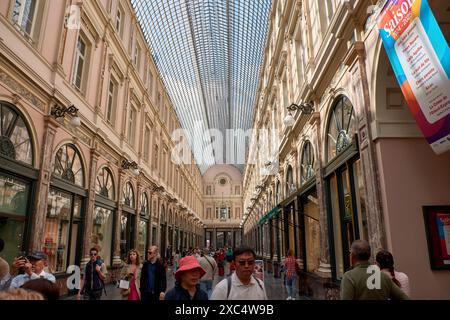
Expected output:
(209, 54)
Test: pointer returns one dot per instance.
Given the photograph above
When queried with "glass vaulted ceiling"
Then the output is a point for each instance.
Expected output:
(209, 54)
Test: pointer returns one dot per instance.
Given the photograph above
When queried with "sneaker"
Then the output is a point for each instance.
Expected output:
(288, 298)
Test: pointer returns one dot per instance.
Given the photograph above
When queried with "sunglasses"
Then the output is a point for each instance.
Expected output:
(245, 262)
(93, 254)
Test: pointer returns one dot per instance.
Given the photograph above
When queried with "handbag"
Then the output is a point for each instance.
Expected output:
(124, 284)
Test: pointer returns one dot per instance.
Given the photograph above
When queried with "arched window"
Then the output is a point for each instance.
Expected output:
(128, 195)
(144, 204)
(68, 165)
(307, 166)
(15, 139)
(290, 187)
(341, 127)
(105, 184)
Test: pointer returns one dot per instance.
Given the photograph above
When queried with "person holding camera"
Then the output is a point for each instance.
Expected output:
(33, 266)
(94, 276)
(131, 277)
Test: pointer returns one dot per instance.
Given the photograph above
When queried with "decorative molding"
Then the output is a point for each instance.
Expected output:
(21, 91)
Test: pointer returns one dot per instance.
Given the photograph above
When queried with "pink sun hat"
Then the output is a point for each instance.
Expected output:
(189, 263)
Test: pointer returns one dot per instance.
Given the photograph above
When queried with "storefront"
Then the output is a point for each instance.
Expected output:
(62, 239)
(347, 219)
(127, 221)
(143, 225)
(17, 180)
(105, 209)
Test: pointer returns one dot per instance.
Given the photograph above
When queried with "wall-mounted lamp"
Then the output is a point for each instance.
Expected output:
(132, 166)
(306, 108)
(58, 112)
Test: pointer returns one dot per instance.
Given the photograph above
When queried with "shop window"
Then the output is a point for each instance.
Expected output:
(307, 166)
(102, 232)
(312, 232)
(62, 229)
(15, 136)
(142, 238)
(68, 165)
(14, 201)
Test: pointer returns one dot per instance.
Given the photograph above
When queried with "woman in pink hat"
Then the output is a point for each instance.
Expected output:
(187, 285)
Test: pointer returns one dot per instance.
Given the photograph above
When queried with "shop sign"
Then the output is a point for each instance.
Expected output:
(420, 58)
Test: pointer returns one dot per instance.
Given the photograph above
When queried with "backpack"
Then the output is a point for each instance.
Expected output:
(229, 285)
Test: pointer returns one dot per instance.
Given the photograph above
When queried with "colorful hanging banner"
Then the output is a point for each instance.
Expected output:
(420, 58)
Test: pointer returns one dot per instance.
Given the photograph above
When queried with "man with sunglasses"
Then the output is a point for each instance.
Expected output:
(153, 277)
(242, 284)
(94, 276)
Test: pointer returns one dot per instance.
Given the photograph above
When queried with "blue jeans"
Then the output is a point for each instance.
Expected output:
(291, 285)
(206, 285)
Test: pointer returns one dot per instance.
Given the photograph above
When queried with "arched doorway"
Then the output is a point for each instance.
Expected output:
(127, 220)
(344, 175)
(65, 210)
(104, 211)
(17, 179)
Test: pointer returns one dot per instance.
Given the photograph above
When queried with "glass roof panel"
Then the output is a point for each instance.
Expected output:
(209, 54)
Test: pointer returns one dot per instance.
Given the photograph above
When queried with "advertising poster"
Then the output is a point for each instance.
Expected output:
(420, 58)
(443, 226)
(259, 269)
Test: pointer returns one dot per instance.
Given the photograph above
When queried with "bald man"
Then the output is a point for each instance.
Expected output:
(354, 285)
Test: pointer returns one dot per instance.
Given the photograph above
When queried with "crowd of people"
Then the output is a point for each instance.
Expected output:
(195, 271)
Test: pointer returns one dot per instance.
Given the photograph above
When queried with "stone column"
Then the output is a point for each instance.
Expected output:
(158, 220)
(43, 184)
(150, 220)
(116, 249)
(89, 215)
(324, 264)
(377, 236)
(138, 211)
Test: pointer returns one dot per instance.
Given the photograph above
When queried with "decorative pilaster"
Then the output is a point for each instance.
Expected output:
(43, 184)
(116, 250)
(89, 214)
(324, 269)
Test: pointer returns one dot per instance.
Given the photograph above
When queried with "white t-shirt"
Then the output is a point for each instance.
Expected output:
(403, 279)
(239, 291)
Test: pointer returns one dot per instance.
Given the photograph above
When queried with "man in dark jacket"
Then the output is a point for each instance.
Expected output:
(153, 277)
(187, 285)
(94, 277)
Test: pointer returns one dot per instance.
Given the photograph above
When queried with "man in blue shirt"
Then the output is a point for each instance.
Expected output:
(153, 277)
(34, 269)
